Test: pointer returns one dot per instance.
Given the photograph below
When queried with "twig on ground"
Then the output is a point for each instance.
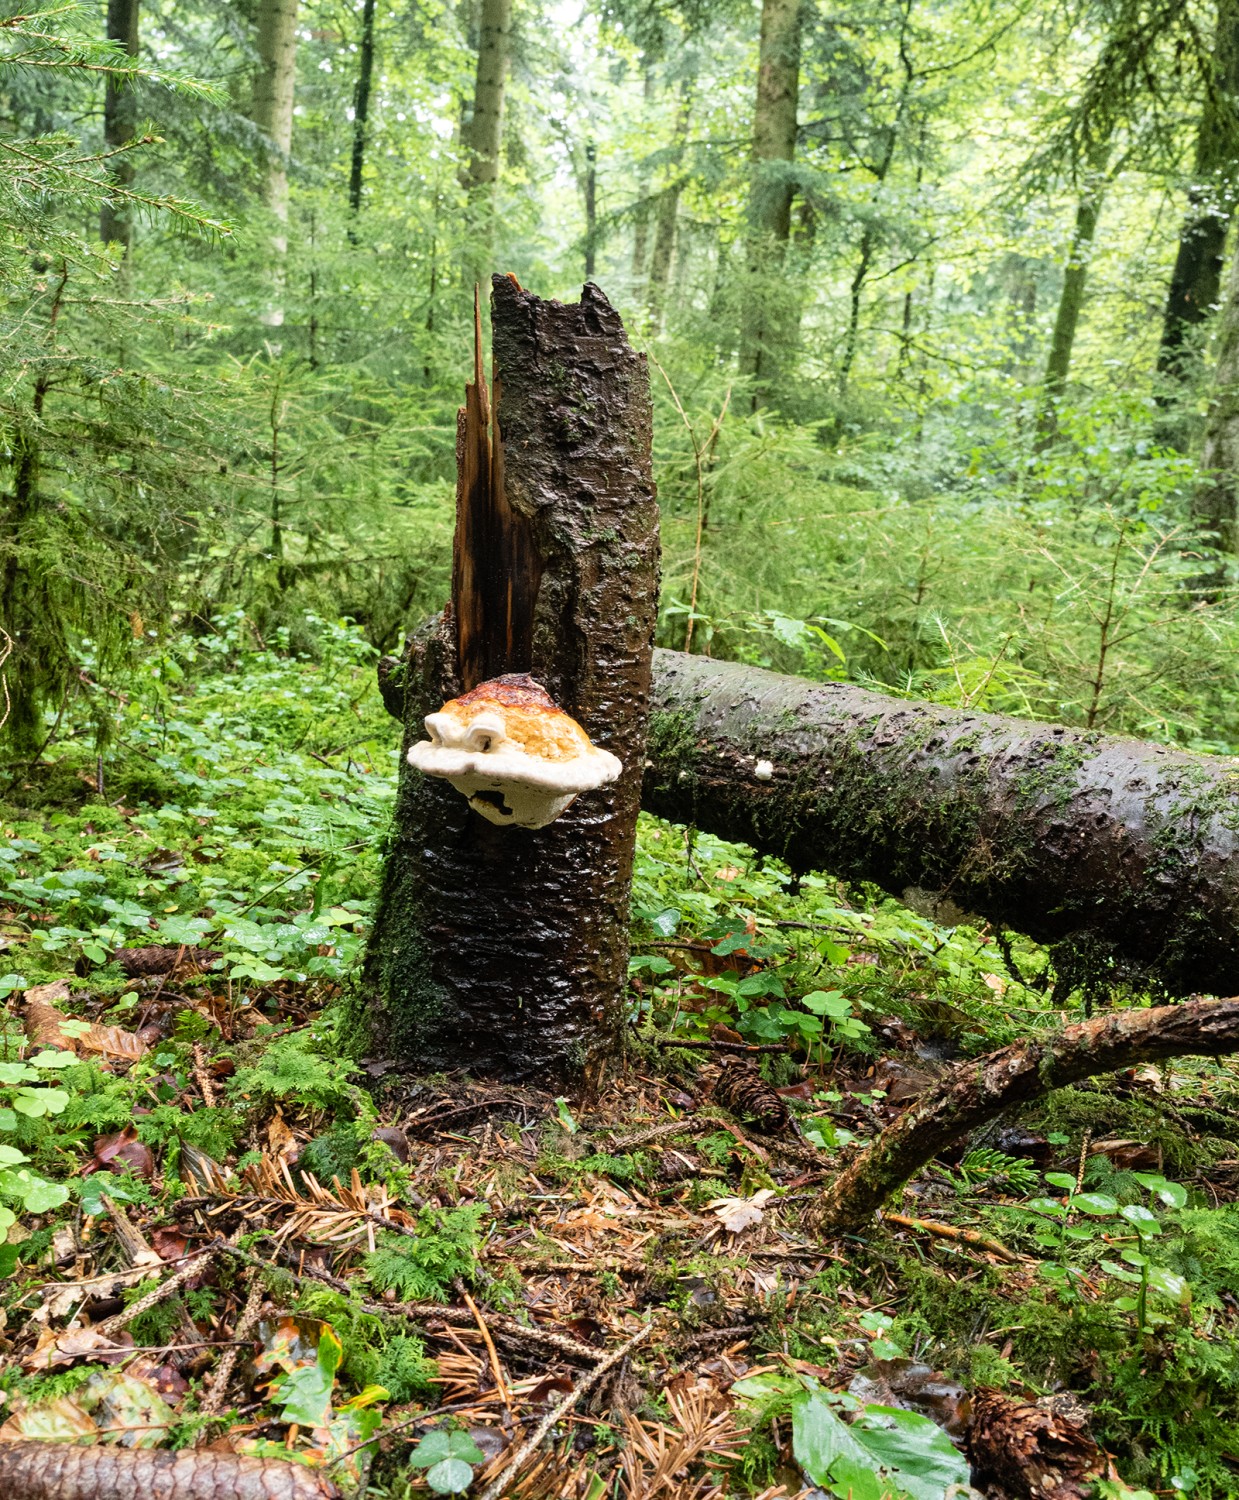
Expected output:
(166, 1289)
(496, 1368)
(709, 1046)
(683, 1126)
(499, 1484)
(950, 1232)
(213, 1403)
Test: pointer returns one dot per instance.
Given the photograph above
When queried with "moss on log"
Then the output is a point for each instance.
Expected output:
(1125, 853)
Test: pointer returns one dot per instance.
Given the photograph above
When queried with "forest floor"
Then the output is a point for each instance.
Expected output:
(228, 1234)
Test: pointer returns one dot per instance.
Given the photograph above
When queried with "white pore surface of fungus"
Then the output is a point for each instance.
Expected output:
(515, 755)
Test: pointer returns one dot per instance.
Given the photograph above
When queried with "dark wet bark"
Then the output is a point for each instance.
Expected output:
(1195, 284)
(504, 950)
(979, 1091)
(120, 125)
(1127, 851)
(361, 108)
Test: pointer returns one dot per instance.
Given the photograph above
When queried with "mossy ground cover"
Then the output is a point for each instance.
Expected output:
(182, 919)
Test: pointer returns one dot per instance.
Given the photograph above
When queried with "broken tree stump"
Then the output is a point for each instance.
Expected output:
(504, 949)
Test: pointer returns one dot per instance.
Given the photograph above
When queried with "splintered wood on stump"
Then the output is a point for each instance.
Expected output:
(503, 949)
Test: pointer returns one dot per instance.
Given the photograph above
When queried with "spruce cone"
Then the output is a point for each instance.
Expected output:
(1029, 1452)
(162, 958)
(746, 1093)
(60, 1471)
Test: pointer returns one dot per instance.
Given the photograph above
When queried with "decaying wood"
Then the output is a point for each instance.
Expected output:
(1128, 850)
(1028, 1451)
(61, 1471)
(504, 950)
(977, 1091)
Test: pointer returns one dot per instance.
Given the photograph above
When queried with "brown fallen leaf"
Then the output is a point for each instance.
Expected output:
(47, 1026)
(61, 1471)
(43, 1018)
(56, 1351)
(123, 1151)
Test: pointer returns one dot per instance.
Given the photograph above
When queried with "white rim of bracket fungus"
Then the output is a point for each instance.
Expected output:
(502, 781)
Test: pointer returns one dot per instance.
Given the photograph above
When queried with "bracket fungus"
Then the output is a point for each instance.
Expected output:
(511, 750)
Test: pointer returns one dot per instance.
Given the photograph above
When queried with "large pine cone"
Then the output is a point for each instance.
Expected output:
(743, 1091)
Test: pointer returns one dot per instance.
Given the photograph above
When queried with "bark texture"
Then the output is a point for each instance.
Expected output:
(978, 1091)
(1197, 278)
(499, 949)
(272, 112)
(120, 123)
(1128, 850)
(484, 131)
(60, 1471)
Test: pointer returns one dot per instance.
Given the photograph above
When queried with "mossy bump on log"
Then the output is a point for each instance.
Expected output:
(1125, 852)
(504, 950)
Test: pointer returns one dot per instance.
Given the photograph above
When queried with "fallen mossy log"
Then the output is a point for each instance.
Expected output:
(981, 1089)
(1126, 853)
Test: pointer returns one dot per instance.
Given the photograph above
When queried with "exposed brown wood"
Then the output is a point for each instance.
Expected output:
(983, 1088)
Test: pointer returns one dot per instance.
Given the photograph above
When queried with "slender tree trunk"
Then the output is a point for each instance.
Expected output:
(1123, 850)
(1195, 283)
(120, 123)
(484, 133)
(361, 107)
(272, 112)
(499, 949)
(982, 1089)
(641, 218)
(1070, 304)
(667, 214)
(591, 209)
(1215, 505)
(764, 324)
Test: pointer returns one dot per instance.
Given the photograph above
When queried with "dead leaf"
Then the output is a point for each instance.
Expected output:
(737, 1214)
(56, 1351)
(281, 1142)
(58, 1420)
(124, 1151)
(42, 1017)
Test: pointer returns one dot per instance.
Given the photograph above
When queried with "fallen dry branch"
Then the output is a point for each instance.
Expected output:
(949, 1232)
(60, 1471)
(977, 1091)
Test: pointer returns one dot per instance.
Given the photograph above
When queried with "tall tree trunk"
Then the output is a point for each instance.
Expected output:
(1127, 850)
(361, 107)
(667, 214)
(1215, 504)
(591, 209)
(483, 134)
(1197, 277)
(764, 325)
(272, 112)
(641, 218)
(120, 121)
(500, 949)
(1070, 303)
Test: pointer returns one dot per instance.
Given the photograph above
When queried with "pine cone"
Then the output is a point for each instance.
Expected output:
(1029, 1452)
(746, 1093)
